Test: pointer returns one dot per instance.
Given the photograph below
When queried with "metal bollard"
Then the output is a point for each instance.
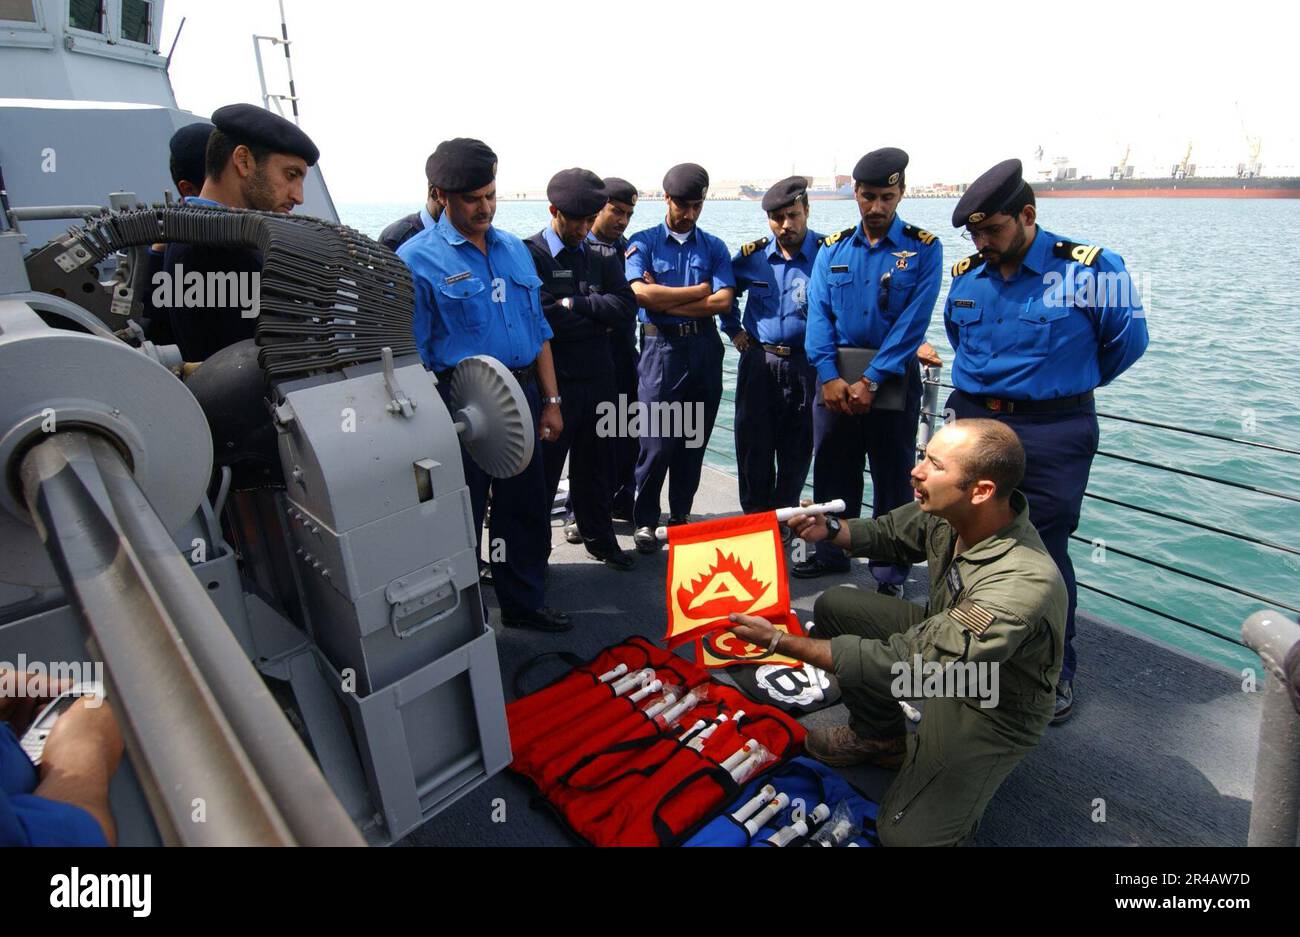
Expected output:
(1275, 809)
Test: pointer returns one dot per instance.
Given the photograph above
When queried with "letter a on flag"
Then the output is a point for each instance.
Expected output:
(733, 564)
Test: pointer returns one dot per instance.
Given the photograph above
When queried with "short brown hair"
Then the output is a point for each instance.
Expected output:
(994, 453)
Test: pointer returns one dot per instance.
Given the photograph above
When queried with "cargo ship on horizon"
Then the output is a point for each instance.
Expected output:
(1060, 180)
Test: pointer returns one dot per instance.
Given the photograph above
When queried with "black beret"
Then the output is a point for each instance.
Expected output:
(189, 147)
(576, 192)
(784, 193)
(881, 167)
(989, 194)
(620, 190)
(247, 123)
(687, 181)
(461, 165)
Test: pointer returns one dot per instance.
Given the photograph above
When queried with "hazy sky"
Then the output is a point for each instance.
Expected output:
(751, 90)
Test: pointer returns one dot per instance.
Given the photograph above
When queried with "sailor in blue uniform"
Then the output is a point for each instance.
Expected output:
(188, 164)
(775, 383)
(254, 159)
(874, 286)
(478, 293)
(682, 278)
(1037, 322)
(64, 802)
(403, 229)
(610, 230)
(587, 301)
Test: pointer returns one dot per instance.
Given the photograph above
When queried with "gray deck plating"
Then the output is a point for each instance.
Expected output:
(1166, 741)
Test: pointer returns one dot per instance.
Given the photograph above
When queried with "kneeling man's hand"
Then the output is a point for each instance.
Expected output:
(751, 628)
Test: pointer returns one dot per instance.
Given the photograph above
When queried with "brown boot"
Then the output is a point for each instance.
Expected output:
(840, 746)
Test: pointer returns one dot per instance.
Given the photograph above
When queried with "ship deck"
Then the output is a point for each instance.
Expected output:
(1167, 741)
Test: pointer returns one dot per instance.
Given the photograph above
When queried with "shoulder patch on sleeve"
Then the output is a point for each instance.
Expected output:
(912, 231)
(832, 238)
(1085, 254)
(631, 249)
(963, 265)
(752, 246)
(973, 617)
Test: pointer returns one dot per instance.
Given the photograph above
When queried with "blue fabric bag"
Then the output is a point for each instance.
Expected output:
(802, 779)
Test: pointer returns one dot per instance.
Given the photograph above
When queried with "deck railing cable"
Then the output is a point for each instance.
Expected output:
(930, 414)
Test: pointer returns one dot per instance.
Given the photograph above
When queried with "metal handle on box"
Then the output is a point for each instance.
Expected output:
(407, 597)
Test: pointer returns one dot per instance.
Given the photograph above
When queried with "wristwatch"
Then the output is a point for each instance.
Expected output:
(554, 400)
(832, 527)
(872, 386)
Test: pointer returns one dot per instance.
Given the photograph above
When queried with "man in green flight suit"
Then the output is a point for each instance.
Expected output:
(995, 620)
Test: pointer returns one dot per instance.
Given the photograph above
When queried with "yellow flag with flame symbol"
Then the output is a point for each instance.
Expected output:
(734, 564)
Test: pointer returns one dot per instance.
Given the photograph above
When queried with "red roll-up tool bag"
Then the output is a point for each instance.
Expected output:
(619, 778)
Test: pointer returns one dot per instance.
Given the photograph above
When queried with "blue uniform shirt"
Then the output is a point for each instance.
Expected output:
(776, 312)
(468, 303)
(28, 820)
(1057, 328)
(848, 307)
(703, 258)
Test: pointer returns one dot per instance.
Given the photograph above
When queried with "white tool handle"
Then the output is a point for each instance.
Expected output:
(784, 514)
(779, 803)
(752, 806)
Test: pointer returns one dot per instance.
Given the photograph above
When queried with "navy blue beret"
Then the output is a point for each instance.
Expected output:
(247, 123)
(620, 190)
(576, 192)
(784, 193)
(189, 147)
(461, 165)
(881, 167)
(989, 194)
(687, 181)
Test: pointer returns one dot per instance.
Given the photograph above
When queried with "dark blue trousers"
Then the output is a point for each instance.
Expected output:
(685, 371)
(590, 455)
(774, 428)
(521, 522)
(626, 448)
(843, 446)
(1058, 457)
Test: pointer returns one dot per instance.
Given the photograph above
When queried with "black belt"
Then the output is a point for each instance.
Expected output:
(524, 375)
(783, 351)
(683, 330)
(1001, 405)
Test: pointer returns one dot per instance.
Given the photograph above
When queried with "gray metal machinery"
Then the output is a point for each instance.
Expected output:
(308, 587)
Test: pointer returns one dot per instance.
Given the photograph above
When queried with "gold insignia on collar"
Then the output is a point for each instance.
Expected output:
(972, 617)
(977, 218)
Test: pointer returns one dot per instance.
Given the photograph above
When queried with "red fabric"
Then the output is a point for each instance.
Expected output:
(723, 649)
(721, 530)
(527, 729)
(614, 775)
